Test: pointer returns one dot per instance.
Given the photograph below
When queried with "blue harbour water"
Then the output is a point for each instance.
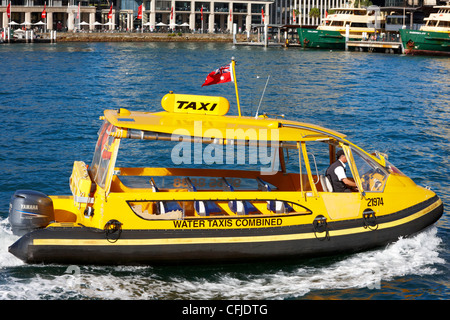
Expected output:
(51, 97)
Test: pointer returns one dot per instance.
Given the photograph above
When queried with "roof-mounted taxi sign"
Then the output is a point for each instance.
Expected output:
(195, 104)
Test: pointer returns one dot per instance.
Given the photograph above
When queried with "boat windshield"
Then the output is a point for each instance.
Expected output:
(373, 176)
(102, 155)
(393, 169)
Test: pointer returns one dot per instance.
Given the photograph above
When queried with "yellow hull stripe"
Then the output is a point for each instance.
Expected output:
(217, 240)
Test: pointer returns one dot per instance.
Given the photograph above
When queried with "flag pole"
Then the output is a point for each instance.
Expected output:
(8, 29)
(45, 19)
(79, 16)
(233, 64)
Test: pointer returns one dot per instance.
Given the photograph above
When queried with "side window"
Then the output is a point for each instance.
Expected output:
(102, 154)
(373, 176)
(296, 169)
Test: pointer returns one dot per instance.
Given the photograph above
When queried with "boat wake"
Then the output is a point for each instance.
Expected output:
(411, 256)
(418, 255)
(6, 239)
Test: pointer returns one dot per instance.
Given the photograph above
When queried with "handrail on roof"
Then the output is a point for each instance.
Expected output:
(151, 135)
(165, 126)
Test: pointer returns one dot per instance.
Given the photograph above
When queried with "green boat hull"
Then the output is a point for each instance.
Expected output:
(321, 39)
(425, 42)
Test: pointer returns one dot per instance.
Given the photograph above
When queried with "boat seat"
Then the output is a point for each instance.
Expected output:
(275, 205)
(163, 207)
(240, 207)
(326, 184)
(203, 208)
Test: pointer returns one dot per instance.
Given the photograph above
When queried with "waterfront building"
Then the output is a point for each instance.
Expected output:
(60, 14)
(202, 16)
(297, 12)
(196, 15)
(293, 12)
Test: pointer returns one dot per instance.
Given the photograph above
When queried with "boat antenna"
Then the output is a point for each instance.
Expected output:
(262, 95)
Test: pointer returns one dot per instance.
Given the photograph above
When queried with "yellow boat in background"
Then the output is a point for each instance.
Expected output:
(239, 188)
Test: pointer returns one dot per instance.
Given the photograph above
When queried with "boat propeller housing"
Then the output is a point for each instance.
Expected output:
(29, 210)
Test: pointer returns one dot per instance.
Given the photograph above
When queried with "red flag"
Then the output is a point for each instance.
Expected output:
(171, 13)
(262, 14)
(78, 12)
(110, 12)
(221, 75)
(201, 12)
(44, 13)
(139, 12)
(231, 17)
(293, 16)
(8, 10)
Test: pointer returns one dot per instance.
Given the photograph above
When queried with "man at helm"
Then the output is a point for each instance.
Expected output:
(336, 173)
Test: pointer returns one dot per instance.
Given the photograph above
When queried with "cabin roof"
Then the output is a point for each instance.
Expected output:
(213, 126)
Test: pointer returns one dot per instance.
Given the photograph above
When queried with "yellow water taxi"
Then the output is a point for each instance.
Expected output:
(237, 188)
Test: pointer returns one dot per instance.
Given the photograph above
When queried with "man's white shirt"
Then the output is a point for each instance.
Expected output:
(340, 172)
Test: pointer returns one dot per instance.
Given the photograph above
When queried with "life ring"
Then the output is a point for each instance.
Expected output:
(305, 42)
(410, 44)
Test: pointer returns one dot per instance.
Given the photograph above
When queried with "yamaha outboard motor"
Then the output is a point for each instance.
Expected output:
(29, 210)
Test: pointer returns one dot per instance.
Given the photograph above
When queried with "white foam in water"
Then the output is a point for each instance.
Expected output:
(409, 256)
(7, 239)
